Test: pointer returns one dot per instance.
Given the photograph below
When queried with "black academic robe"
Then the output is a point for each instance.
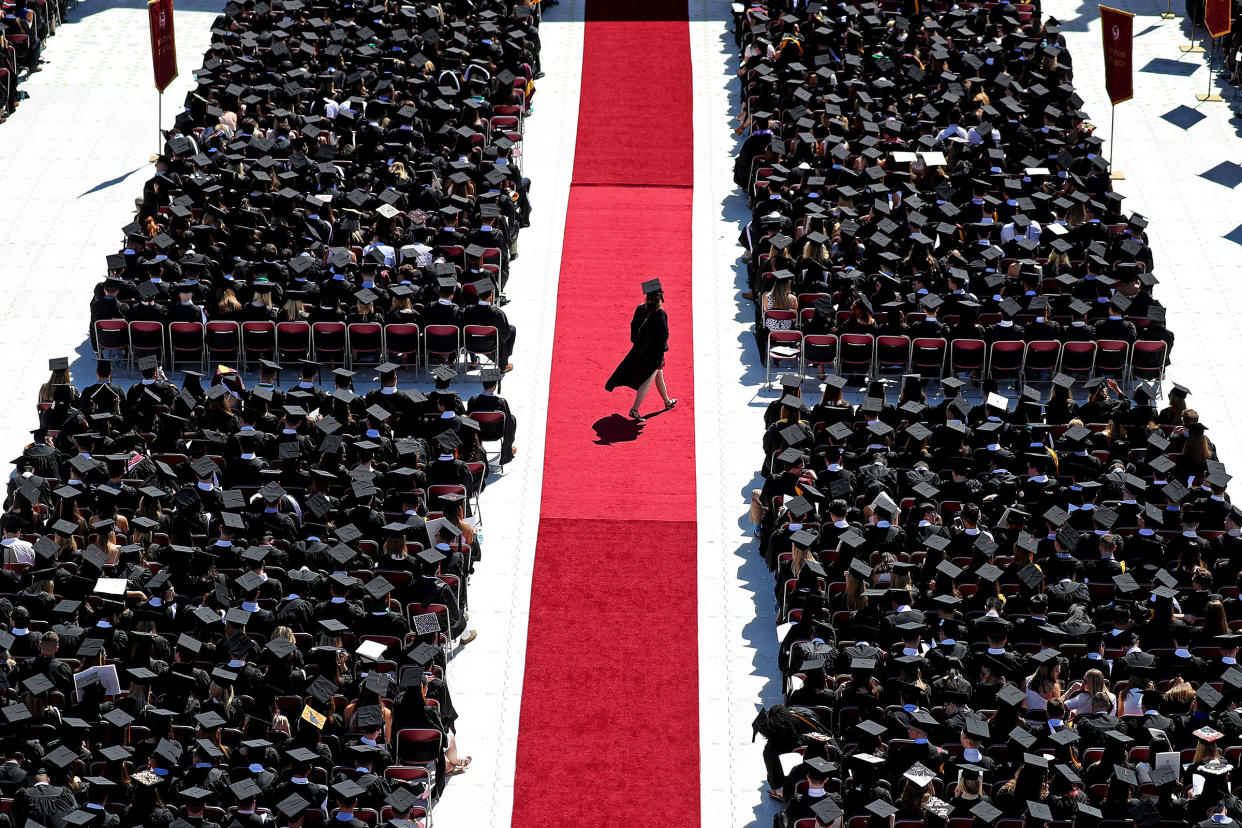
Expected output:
(649, 335)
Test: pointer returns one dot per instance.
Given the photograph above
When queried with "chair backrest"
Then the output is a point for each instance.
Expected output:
(1077, 356)
(1010, 354)
(329, 330)
(112, 333)
(928, 352)
(183, 332)
(491, 424)
(481, 338)
(778, 337)
(967, 353)
(892, 350)
(1042, 354)
(401, 337)
(819, 349)
(293, 330)
(1148, 353)
(223, 334)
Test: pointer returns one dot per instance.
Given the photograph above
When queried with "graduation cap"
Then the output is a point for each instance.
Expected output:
(246, 789)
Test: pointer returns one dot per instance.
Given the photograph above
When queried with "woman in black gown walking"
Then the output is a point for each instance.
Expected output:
(644, 364)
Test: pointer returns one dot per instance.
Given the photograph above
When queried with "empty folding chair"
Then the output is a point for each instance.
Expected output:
(293, 341)
(111, 337)
(820, 350)
(784, 347)
(186, 342)
(1078, 359)
(223, 342)
(1112, 357)
(146, 339)
(329, 342)
(967, 356)
(366, 342)
(927, 357)
(401, 342)
(1005, 360)
(1147, 361)
(1042, 358)
(892, 354)
(857, 354)
(258, 341)
(442, 342)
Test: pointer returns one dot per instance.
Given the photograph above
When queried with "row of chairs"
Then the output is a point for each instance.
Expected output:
(242, 344)
(932, 358)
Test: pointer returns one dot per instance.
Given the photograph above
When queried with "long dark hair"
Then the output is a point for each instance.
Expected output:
(653, 301)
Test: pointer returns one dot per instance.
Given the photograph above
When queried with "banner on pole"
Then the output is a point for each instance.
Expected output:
(1118, 29)
(1216, 17)
(163, 42)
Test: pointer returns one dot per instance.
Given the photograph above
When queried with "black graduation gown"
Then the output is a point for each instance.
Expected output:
(649, 335)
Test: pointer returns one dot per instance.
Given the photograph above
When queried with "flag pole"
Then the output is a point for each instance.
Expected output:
(1192, 47)
(1210, 97)
(1113, 174)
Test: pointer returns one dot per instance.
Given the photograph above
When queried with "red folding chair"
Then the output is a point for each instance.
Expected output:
(1112, 358)
(420, 746)
(1147, 361)
(1078, 359)
(329, 342)
(482, 340)
(927, 357)
(405, 773)
(223, 342)
(1042, 357)
(401, 341)
(111, 335)
(784, 347)
(366, 342)
(443, 342)
(857, 354)
(186, 342)
(1005, 360)
(820, 350)
(146, 339)
(258, 341)
(491, 428)
(967, 356)
(293, 341)
(892, 354)
(435, 492)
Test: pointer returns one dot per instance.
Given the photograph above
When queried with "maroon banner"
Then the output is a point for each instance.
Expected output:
(1216, 17)
(163, 42)
(1118, 29)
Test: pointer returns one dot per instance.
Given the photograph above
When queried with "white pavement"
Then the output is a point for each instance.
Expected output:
(75, 158)
(486, 676)
(737, 633)
(1180, 158)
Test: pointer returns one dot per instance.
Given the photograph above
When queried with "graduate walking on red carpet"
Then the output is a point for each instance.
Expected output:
(644, 364)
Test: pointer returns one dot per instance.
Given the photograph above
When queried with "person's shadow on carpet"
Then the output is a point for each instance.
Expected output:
(616, 428)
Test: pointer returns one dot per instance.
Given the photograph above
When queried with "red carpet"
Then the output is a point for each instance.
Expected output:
(609, 725)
